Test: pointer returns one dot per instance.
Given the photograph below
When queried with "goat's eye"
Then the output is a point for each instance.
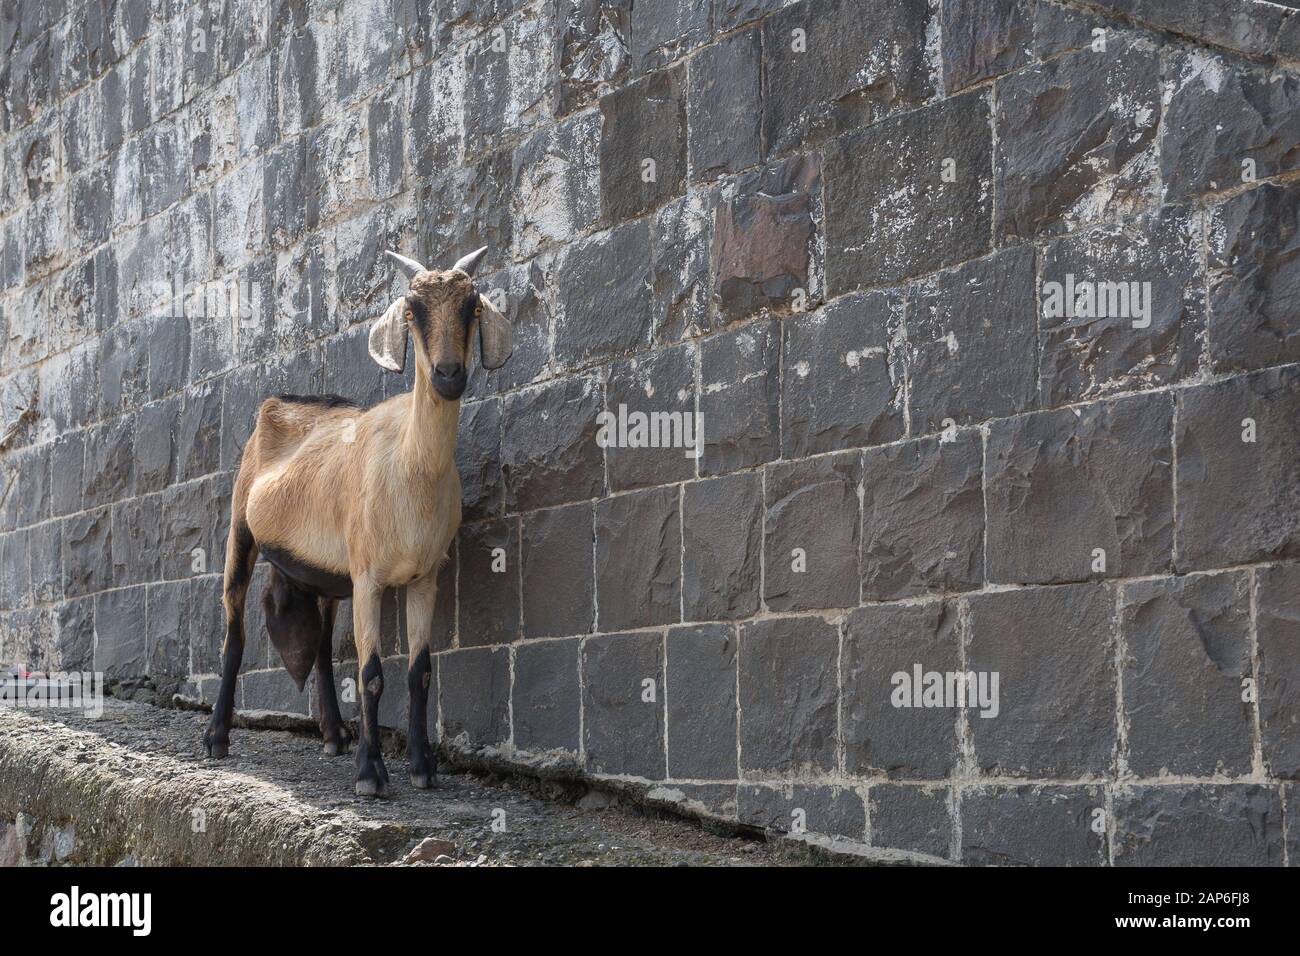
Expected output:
(410, 316)
(478, 310)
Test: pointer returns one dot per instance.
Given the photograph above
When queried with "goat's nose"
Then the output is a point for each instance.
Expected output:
(449, 369)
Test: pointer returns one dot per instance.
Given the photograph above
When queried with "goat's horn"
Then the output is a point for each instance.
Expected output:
(469, 263)
(409, 266)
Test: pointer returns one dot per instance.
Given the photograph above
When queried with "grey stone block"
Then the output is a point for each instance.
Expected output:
(167, 639)
(723, 89)
(1198, 825)
(828, 810)
(1062, 484)
(680, 240)
(87, 554)
(701, 706)
(722, 526)
(845, 69)
(883, 731)
(972, 342)
(1091, 158)
(812, 533)
(922, 518)
(603, 303)
(841, 384)
(555, 191)
(548, 444)
(788, 695)
(1237, 499)
(638, 560)
(1188, 652)
(488, 588)
(740, 394)
(1278, 632)
(896, 172)
(1032, 826)
(655, 397)
(623, 704)
(557, 571)
(911, 818)
(474, 695)
(643, 144)
(594, 40)
(478, 459)
(1053, 650)
(1252, 279)
(983, 39)
(546, 701)
(120, 633)
(663, 32)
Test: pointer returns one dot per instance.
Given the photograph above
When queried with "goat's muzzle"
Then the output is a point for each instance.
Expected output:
(448, 380)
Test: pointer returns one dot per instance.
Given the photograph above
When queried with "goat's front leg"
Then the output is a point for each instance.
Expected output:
(420, 597)
(372, 775)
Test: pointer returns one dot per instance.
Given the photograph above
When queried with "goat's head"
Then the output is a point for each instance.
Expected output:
(443, 309)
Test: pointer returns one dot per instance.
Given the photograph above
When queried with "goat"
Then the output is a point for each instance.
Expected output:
(345, 502)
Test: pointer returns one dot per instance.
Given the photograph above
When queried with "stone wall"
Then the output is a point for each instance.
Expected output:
(838, 232)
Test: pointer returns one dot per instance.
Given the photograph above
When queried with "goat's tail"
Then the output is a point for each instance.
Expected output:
(293, 620)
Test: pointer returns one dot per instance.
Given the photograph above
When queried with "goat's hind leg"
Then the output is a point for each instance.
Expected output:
(332, 729)
(371, 774)
(241, 553)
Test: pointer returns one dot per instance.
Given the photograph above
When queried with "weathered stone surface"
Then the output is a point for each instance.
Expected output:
(120, 633)
(488, 590)
(548, 444)
(841, 384)
(890, 212)
(838, 811)
(137, 543)
(594, 49)
(509, 82)
(1255, 120)
(680, 240)
(1239, 501)
(722, 527)
(1062, 484)
(662, 32)
(723, 90)
(972, 342)
(655, 396)
(1111, 344)
(557, 571)
(45, 554)
(812, 533)
(87, 554)
(545, 700)
(1278, 633)
(910, 818)
(1187, 644)
(1092, 155)
(166, 638)
(740, 394)
(643, 144)
(466, 209)
(701, 705)
(1251, 29)
(603, 295)
(763, 238)
(434, 127)
(788, 695)
(638, 560)
(478, 459)
(1053, 650)
(1253, 279)
(623, 704)
(982, 39)
(74, 634)
(1198, 825)
(883, 732)
(474, 695)
(1032, 826)
(15, 572)
(1059, 28)
(556, 184)
(849, 68)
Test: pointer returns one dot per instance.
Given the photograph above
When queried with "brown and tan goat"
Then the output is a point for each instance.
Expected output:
(345, 502)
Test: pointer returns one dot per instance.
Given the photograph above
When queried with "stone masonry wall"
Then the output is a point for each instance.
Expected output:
(829, 228)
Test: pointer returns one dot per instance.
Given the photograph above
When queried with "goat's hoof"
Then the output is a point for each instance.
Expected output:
(337, 743)
(371, 788)
(372, 775)
(423, 781)
(215, 744)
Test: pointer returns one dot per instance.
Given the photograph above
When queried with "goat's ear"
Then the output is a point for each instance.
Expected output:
(496, 340)
(388, 337)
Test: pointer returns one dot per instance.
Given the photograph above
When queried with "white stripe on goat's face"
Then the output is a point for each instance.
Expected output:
(442, 310)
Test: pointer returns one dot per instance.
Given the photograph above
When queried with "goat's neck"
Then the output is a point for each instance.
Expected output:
(429, 432)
